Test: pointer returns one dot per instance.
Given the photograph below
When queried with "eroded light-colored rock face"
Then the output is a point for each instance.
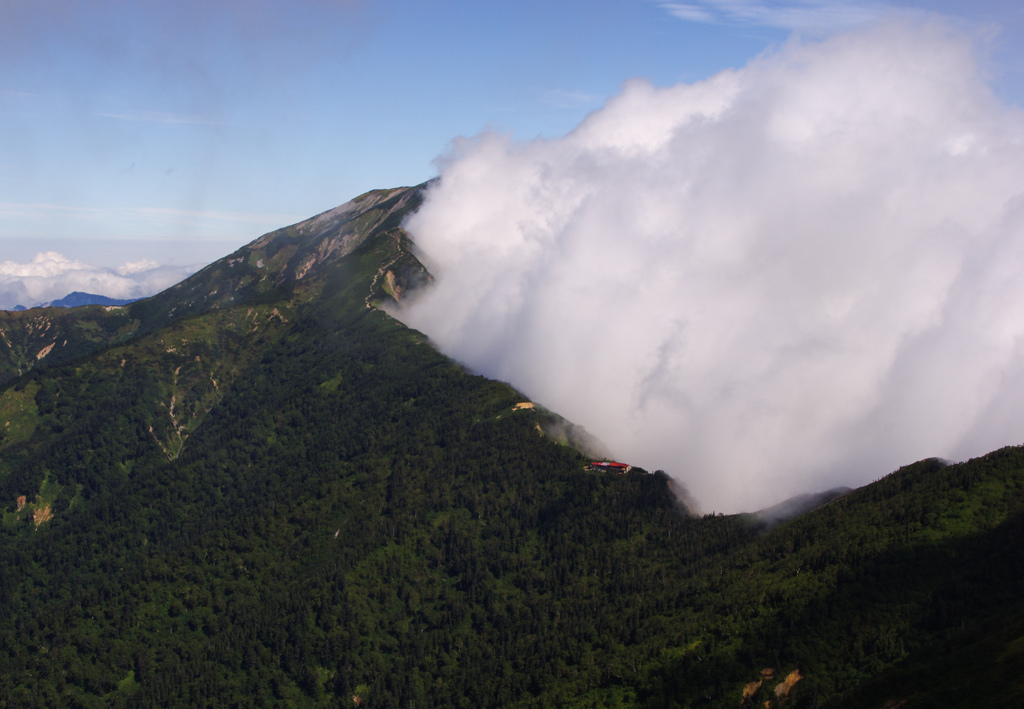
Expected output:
(353, 221)
(29, 337)
(391, 286)
(782, 688)
(43, 514)
(328, 218)
(750, 689)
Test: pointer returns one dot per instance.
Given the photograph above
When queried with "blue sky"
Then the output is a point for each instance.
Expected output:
(836, 230)
(177, 131)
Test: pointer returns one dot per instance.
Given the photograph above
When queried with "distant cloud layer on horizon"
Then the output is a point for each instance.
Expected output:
(50, 276)
(795, 275)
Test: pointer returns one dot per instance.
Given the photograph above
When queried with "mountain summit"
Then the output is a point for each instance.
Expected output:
(288, 265)
(257, 488)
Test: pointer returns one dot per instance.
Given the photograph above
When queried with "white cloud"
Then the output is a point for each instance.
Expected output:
(136, 266)
(45, 265)
(795, 275)
(50, 276)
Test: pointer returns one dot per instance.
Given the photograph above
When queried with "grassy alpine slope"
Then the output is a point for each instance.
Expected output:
(254, 489)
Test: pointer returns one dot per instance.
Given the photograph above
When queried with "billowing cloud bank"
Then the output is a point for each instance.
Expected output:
(795, 275)
(51, 275)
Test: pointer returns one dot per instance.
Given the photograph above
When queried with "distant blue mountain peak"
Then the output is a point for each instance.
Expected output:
(77, 298)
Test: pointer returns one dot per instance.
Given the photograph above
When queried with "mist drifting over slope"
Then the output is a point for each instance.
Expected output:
(799, 274)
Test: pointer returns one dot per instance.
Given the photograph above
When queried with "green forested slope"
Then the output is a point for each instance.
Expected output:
(274, 494)
(883, 576)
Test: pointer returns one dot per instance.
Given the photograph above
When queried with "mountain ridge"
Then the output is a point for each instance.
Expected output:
(291, 252)
(258, 488)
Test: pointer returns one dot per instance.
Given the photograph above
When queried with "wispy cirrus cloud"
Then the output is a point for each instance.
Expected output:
(268, 220)
(805, 15)
(689, 12)
(161, 117)
(163, 215)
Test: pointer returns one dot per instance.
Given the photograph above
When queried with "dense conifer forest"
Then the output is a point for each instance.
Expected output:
(258, 489)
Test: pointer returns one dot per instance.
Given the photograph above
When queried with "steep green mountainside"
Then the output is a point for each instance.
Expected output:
(882, 582)
(282, 266)
(258, 489)
(110, 384)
